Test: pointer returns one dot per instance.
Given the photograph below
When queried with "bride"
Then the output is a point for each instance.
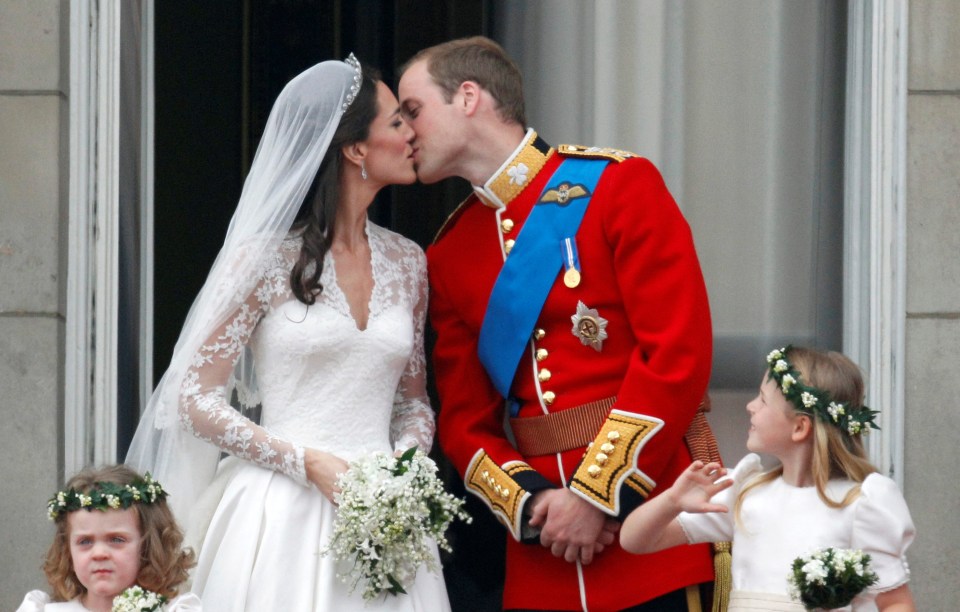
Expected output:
(316, 315)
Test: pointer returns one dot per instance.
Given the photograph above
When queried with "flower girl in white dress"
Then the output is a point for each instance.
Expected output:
(114, 532)
(810, 415)
(316, 315)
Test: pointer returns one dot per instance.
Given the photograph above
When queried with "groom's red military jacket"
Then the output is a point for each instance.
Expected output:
(634, 334)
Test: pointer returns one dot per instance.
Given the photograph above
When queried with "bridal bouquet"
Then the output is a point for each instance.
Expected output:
(136, 599)
(389, 510)
(830, 578)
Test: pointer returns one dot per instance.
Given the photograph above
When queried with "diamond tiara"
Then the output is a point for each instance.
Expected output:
(354, 63)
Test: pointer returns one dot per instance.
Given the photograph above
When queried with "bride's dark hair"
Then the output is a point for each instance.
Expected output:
(317, 216)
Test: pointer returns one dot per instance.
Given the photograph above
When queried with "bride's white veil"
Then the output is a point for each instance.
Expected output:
(296, 137)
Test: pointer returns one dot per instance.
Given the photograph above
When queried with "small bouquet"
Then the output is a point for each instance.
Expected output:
(136, 599)
(389, 509)
(830, 578)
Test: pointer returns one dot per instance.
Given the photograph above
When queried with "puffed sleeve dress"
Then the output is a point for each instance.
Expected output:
(779, 522)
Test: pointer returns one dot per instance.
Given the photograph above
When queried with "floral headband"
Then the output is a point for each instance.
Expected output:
(852, 420)
(107, 496)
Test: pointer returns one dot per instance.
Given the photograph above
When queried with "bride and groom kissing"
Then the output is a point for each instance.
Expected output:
(572, 345)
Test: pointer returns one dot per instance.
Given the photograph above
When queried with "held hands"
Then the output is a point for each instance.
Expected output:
(696, 485)
(570, 527)
(323, 469)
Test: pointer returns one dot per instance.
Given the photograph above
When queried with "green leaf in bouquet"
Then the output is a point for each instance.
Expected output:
(395, 587)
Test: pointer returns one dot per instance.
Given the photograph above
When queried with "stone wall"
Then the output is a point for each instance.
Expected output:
(933, 300)
(33, 181)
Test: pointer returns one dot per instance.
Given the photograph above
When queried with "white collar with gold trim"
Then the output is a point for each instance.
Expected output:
(519, 169)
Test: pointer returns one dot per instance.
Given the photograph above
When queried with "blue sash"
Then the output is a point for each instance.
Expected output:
(531, 269)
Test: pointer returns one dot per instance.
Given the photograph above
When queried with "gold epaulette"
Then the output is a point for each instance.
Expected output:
(497, 488)
(611, 461)
(616, 155)
(453, 216)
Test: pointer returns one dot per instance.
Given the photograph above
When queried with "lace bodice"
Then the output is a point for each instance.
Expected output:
(322, 382)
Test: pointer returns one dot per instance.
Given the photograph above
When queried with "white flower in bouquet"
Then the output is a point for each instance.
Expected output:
(389, 511)
(136, 599)
(830, 578)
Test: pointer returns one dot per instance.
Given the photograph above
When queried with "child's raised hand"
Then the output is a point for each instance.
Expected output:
(654, 525)
(697, 484)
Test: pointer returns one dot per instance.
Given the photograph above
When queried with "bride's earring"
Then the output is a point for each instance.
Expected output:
(363, 170)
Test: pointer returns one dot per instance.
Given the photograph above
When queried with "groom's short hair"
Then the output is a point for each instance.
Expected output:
(481, 60)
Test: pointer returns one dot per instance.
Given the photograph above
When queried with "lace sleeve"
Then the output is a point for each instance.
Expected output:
(205, 409)
(412, 423)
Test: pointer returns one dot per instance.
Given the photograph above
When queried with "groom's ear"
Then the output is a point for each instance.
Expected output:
(468, 97)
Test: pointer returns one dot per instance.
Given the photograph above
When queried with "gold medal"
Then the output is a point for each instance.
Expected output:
(571, 278)
(568, 248)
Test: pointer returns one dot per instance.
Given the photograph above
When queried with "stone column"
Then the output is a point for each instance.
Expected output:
(33, 250)
(933, 299)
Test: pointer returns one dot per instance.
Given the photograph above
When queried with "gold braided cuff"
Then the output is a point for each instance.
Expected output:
(498, 489)
(611, 461)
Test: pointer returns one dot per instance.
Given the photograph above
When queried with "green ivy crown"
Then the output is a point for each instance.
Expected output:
(852, 420)
(107, 496)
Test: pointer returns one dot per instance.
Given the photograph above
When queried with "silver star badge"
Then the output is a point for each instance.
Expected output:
(589, 326)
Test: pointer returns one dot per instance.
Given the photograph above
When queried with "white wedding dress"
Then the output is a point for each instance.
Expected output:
(323, 383)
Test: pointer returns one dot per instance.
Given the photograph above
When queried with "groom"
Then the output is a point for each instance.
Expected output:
(573, 337)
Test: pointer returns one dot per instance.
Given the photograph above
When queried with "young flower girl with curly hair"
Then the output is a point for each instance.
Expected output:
(810, 415)
(114, 532)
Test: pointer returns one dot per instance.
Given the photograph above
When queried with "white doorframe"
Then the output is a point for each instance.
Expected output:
(146, 200)
(90, 377)
(874, 300)
(84, 325)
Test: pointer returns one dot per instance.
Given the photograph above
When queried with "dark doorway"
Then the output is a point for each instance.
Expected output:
(219, 67)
